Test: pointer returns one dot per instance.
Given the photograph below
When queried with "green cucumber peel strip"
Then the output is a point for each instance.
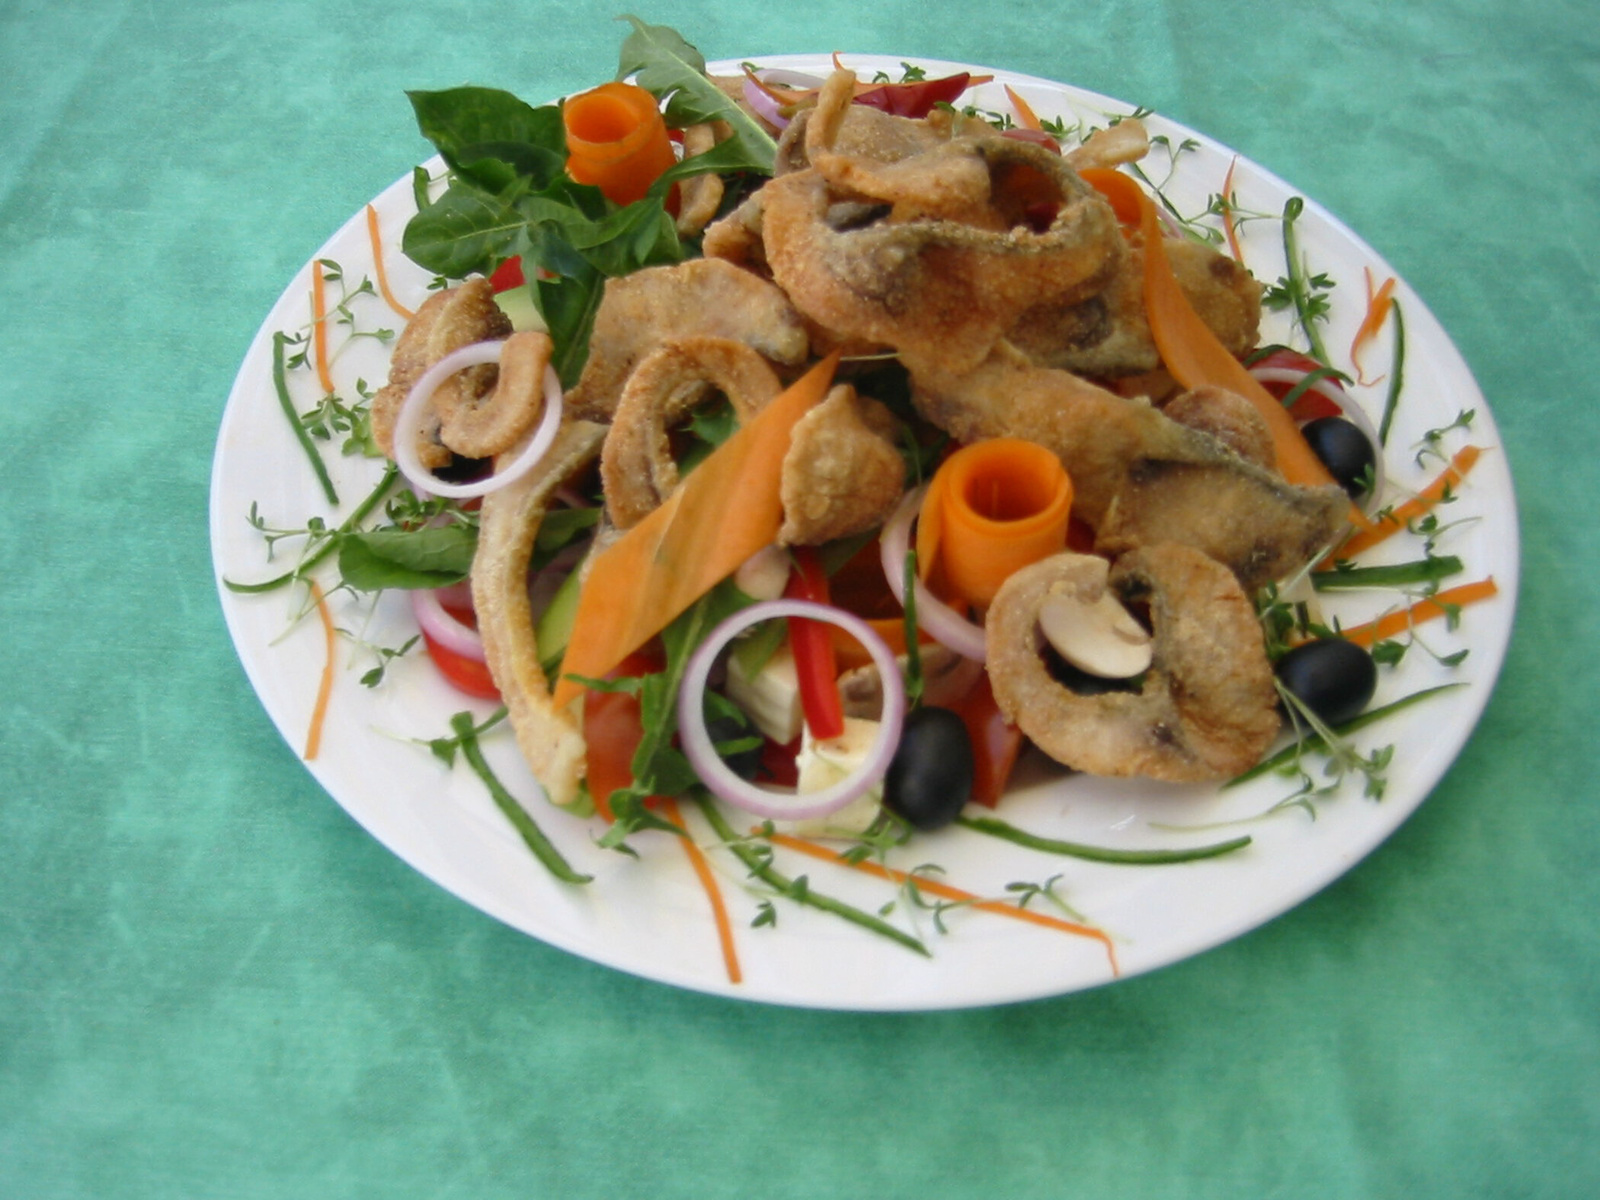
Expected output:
(763, 870)
(532, 836)
(1317, 744)
(281, 384)
(1394, 575)
(995, 827)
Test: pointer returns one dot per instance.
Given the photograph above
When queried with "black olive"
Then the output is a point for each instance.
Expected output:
(724, 729)
(1334, 678)
(1345, 450)
(930, 777)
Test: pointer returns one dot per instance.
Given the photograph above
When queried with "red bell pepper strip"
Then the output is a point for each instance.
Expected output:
(811, 643)
(916, 99)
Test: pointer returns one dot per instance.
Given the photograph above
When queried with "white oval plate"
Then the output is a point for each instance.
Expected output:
(648, 915)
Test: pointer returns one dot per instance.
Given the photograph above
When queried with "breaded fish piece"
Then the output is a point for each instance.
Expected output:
(842, 474)
(549, 738)
(703, 297)
(1205, 710)
(1139, 476)
(449, 320)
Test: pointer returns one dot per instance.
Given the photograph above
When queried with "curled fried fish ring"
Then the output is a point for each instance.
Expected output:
(636, 463)
(450, 319)
(1205, 710)
(482, 425)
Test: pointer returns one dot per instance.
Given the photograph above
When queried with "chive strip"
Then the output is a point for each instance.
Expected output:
(995, 827)
(763, 870)
(1297, 279)
(1406, 574)
(304, 438)
(533, 837)
(1316, 744)
(1396, 374)
(1311, 379)
(391, 472)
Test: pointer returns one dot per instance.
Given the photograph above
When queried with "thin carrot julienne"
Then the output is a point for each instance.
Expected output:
(319, 327)
(1228, 226)
(946, 892)
(1440, 604)
(1387, 523)
(377, 265)
(1378, 304)
(708, 881)
(319, 711)
(1026, 117)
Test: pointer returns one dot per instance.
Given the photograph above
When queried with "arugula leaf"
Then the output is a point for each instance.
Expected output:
(491, 138)
(663, 63)
(465, 230)
(373, 559)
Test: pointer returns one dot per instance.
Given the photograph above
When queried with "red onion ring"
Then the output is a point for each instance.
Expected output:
(1329, 390)
(410, 417)
(764, 105)
(781, 806)
(435, 621)
(941, 622)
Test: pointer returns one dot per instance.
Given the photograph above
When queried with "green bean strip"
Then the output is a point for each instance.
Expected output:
(995, 827)
(1396, 375)
(1394, 575)
(534, 837)
(287, 404)
(363, 510)
(1297, 280)
(1316, 744)
(763, 870)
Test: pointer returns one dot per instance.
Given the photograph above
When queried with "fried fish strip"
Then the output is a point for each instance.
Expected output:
(550, 738)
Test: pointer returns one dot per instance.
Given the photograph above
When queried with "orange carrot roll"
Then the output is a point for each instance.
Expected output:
(616, 140)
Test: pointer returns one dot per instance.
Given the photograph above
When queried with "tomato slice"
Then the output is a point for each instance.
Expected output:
(916, 99)
(507, 275)
(1309, 405)
(612, 731)
(995, 743)
(465, 674)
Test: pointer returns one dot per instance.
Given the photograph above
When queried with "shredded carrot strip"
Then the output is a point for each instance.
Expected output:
(1401, 515)
(946, 892)
(319, 711)
(1026, 117)
(319, 326)
(1228, 226)
(1378, 305)
(1440, 604)
(708, 881)
(377, 265)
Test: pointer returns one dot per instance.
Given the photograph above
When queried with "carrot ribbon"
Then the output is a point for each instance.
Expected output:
(616, 140)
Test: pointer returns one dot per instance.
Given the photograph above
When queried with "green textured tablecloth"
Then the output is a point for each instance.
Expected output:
(213, 983)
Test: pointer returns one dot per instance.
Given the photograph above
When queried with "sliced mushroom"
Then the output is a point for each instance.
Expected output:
(1100, 637)
(1205, 709)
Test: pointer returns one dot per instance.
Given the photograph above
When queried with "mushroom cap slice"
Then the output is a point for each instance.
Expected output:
(1205, 710)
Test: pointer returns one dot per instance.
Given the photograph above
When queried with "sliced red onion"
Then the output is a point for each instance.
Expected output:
(410, 417)
(941, 622)
(435, 621)
(1330, 390)
(787, 806)
(765, 106)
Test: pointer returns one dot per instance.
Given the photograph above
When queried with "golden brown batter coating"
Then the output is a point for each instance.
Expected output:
(842, 474)
(1205, 710)
(636, 464)
(701, 297)
(449, 320)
